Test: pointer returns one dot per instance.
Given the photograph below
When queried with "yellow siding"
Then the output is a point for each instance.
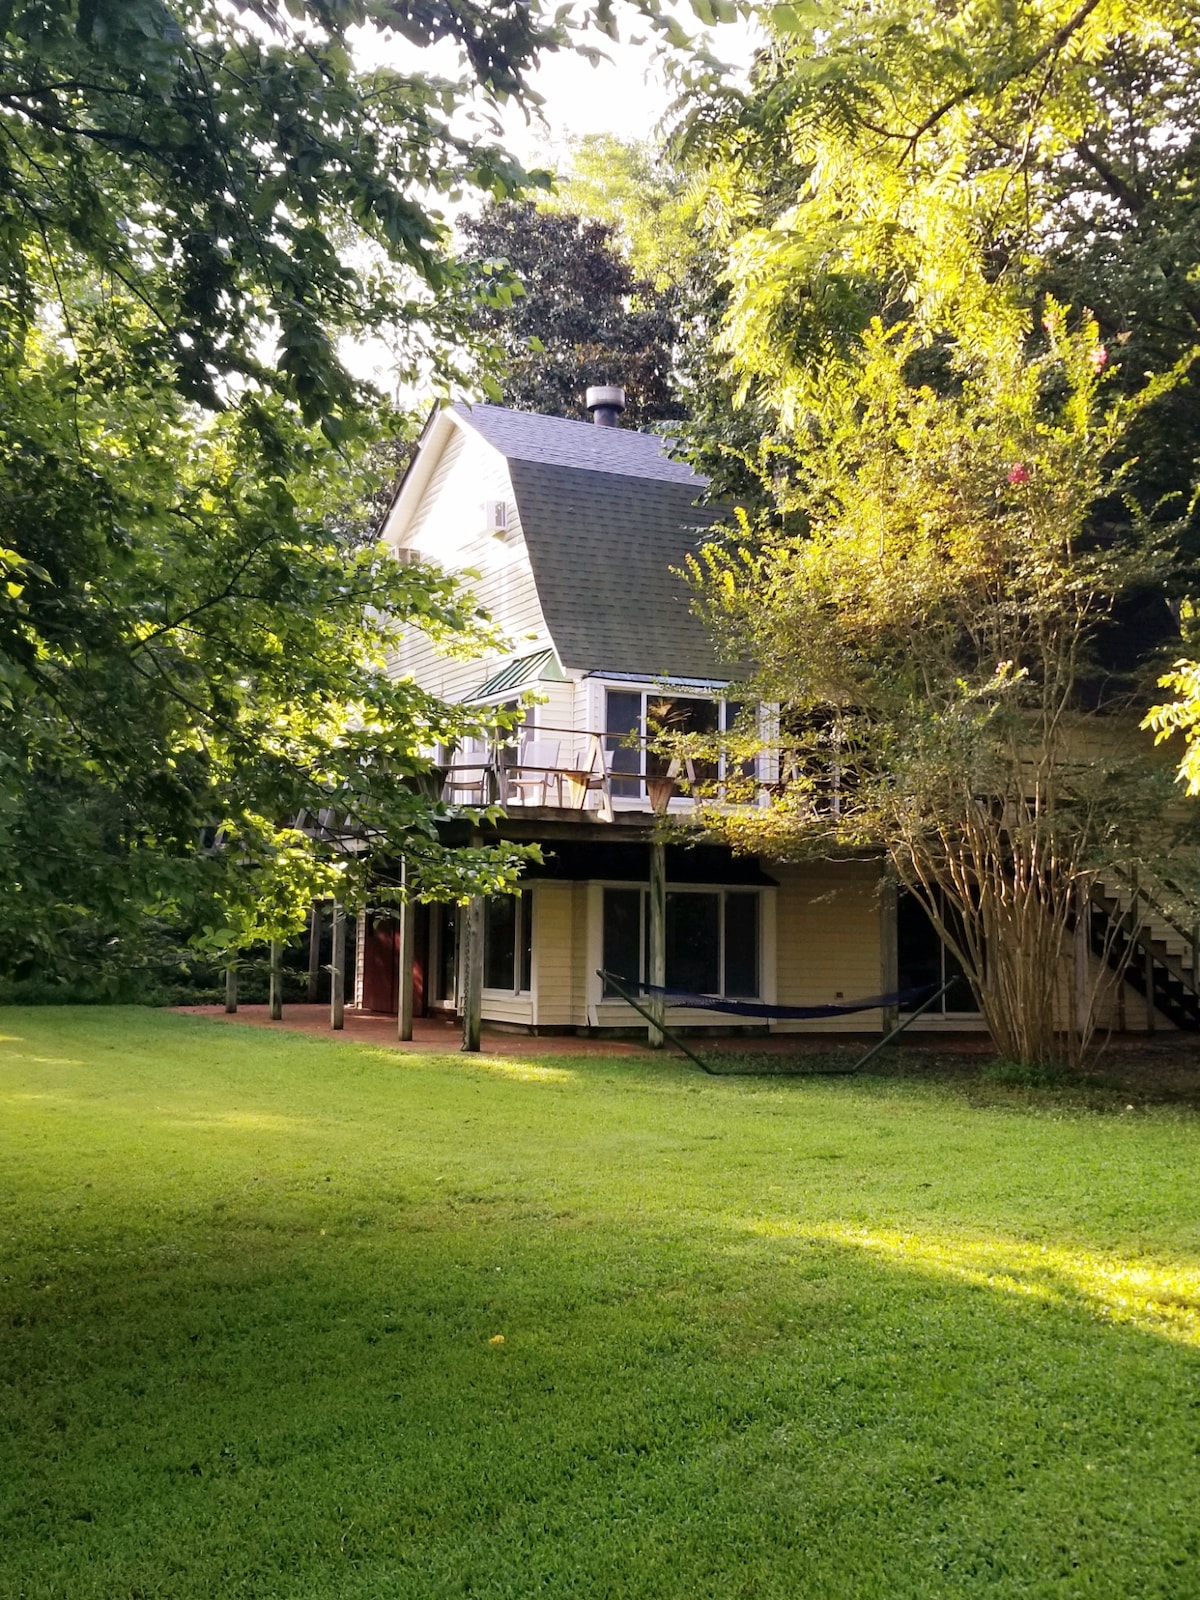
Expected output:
(828, 943)
(507, 1008)
(553, 953)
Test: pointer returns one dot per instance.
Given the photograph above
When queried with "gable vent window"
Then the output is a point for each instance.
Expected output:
(496, 518)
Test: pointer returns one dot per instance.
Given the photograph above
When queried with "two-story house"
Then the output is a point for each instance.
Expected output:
(571, 535)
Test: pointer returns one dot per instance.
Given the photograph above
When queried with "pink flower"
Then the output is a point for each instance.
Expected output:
(1099, 358)
(1018, 475)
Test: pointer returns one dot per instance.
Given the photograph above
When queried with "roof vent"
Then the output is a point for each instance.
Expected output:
(606, 403)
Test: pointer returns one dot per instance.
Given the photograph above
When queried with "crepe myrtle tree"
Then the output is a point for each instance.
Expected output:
(922, 606)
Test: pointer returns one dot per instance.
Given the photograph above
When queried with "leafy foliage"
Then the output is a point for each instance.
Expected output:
(927, 629)
(218, 160)
(950, 165)
(198, 201)
(964, 490)
(191, 659)
(574, 316)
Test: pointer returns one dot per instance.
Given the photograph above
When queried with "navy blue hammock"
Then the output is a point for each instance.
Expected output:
(920, 999)
(757, 1008)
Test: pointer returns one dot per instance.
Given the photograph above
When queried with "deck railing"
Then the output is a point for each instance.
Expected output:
(535, 772)
(569, 769)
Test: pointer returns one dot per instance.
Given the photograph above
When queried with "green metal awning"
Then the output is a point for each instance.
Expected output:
(513, 675)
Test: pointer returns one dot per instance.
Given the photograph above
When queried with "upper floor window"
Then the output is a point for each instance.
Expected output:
(635, 717)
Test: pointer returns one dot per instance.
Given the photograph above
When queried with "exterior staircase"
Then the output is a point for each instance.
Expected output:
(1147, 927)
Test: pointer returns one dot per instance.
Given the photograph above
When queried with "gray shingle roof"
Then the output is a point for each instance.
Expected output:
(602, 546)
(559, 442)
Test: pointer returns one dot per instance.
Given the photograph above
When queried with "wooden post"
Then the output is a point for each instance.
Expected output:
(889, 950)
(472, 976)
(231, 989)
(404, 987)
(315, 918)
(276, 980)
(658, 939)
(337, 969)
(1083, 955)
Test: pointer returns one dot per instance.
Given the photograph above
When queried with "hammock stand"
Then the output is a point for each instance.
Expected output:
(749, 1008)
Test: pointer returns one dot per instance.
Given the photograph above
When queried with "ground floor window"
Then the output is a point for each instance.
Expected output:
(712, 939)
(443, 953)
(508, 942)
(923, 959)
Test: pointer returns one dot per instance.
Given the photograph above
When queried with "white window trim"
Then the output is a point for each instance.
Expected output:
(516, 993)
(764, 906)
(765, 761)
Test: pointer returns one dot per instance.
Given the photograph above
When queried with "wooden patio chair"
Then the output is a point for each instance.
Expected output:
(529, 778)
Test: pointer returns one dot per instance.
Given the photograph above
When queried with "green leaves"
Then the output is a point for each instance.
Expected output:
(565, 310)
(199, 203)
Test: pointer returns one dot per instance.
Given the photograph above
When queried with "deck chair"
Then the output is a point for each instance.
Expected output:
(467, 780)
(536, 767)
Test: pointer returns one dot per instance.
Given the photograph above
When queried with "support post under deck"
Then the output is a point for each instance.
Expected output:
(337, 969)
(472, 978)
(404, 957)
(276, 980)
(658, 940)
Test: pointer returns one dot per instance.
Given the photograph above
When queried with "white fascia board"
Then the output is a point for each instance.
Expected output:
(412, 486)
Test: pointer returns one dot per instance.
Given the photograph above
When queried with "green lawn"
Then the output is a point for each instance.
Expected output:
(287, 1317)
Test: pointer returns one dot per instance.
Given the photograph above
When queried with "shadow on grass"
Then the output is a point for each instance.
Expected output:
(555, 1404)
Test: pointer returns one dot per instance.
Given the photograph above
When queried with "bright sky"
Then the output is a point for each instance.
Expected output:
(625, 95)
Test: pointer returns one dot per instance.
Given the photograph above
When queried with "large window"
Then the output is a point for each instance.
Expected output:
(508, 942)
(443, 951)
(631, 716)
(711, 938)
(924, 961)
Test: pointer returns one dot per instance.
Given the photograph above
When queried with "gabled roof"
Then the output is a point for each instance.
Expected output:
(560, 442)
(603, 546)
(607, 515)
(513, 674)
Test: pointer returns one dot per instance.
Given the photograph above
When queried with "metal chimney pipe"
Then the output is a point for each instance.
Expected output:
(606, 403)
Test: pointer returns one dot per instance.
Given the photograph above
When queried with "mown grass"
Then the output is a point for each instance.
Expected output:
(784, 1338)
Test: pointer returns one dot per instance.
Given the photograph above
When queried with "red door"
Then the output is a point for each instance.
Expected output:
(379, 965)
(381, 961)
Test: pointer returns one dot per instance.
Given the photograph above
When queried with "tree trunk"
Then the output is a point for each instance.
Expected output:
(472, 979)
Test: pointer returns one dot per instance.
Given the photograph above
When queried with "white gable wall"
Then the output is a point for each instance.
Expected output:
(447, 527)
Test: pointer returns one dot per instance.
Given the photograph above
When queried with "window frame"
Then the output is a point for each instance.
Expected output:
(940, 1010)
(728, 709)
(722, 892)
(524, 923)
